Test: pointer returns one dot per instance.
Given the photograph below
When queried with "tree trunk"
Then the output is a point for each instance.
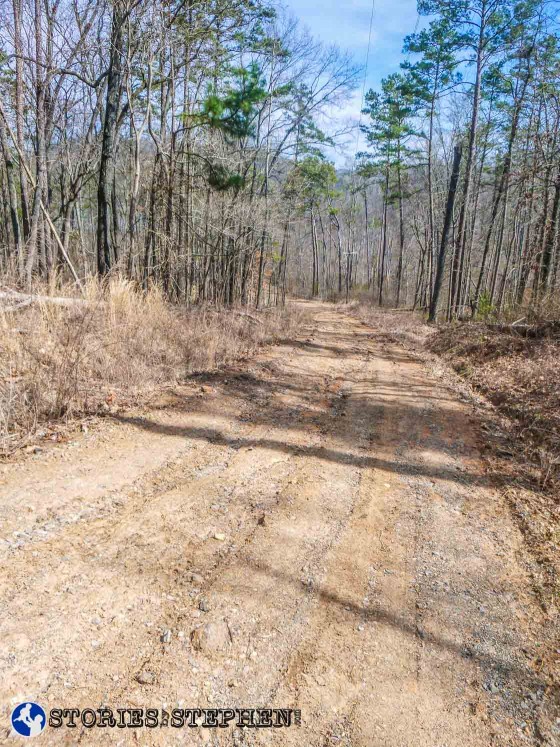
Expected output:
(106, 160)
(458, 153)
(12, 194)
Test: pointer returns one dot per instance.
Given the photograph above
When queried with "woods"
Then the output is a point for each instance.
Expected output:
(483, 77)
(190, 145)
(158, 141)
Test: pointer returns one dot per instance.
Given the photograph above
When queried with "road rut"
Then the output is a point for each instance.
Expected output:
(328, 506)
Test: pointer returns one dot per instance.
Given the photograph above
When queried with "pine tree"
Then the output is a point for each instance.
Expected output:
(389, 136)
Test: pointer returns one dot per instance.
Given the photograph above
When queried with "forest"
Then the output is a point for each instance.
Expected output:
(190, 145)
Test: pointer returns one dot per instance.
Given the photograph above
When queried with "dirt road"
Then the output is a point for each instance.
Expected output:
(313, 531)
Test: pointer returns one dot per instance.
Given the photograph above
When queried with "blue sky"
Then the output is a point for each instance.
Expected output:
(346, 23)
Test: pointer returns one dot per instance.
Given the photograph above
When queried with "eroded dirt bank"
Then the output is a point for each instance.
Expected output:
(324, 511)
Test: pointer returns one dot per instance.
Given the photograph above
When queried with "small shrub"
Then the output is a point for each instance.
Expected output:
(486, 310)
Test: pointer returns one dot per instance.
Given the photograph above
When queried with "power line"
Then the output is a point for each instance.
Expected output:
(365, 74)
(414, 33)
(362, 102)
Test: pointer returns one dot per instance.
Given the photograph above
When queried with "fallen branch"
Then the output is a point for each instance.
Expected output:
(16, 307)
(23, 299)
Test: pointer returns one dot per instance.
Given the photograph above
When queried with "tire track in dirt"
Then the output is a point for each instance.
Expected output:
(328, 503)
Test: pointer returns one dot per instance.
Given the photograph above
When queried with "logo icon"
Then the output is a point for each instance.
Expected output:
(28, 719)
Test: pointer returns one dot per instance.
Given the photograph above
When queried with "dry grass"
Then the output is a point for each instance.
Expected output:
(520, 377)
(59, 361)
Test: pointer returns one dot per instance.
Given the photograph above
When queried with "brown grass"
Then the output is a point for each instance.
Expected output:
(60, 361)
(520, 377)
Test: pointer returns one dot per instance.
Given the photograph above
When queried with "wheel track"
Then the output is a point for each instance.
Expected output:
(335, 469)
